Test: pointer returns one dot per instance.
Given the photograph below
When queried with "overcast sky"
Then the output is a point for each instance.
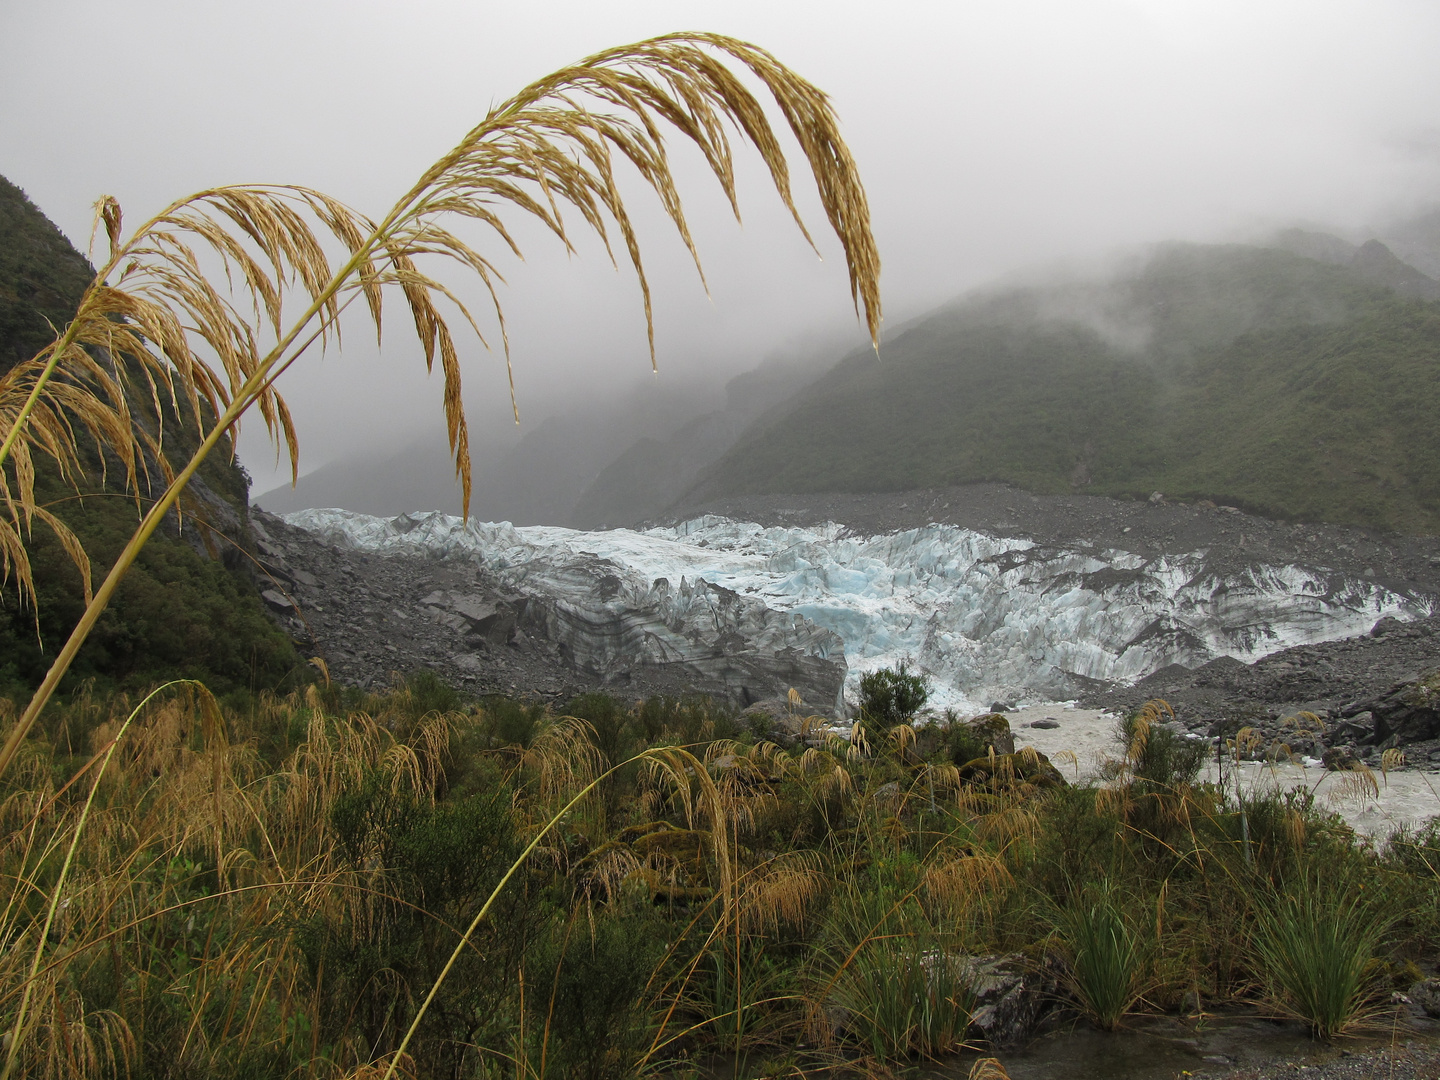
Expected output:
(992, 137)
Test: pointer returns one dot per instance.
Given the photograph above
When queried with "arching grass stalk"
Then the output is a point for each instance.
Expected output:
(210, 705)
(553, 147)
(677, 755)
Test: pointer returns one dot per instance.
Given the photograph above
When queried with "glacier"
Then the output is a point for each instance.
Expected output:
(987, 618)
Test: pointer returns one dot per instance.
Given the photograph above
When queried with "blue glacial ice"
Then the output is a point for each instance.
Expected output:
(987, 618)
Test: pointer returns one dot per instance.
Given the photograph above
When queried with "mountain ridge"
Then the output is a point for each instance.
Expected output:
(1293, 387)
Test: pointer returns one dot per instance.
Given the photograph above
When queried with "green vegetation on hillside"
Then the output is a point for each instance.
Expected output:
(1291, 387)
(180, 612)
(41, 278)
(281, 900)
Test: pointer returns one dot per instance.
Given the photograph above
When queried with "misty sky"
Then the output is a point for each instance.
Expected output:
(992, 137)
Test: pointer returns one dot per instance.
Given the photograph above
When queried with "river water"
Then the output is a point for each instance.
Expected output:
(1148, 1048)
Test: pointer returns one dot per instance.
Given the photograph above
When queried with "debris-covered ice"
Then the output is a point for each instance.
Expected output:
(988, 618)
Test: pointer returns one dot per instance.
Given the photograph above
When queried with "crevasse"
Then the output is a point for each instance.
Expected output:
(987, 618)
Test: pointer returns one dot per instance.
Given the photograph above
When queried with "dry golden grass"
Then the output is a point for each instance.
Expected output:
(563, 146)
(168, 790)
(958, 882)
(779, 892)
(85, 399)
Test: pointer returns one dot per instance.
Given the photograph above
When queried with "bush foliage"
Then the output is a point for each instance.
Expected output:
(275, 890)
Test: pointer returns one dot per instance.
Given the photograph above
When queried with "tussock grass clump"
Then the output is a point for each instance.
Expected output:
(904, 999)
(1106, 954)
(1316, 941)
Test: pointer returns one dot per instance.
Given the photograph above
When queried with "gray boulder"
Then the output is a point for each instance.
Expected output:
(1358, 729)
(993, 729)
(1410, 712)
(1012, 995)
(777, 721)
(1426, 994)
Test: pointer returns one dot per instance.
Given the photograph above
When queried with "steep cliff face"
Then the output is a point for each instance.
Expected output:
(735, 605)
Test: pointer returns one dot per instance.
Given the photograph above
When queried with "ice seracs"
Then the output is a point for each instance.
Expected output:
(986, 617)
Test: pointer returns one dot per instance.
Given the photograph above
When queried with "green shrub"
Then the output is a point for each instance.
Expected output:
(426, 692)
(684, 720)
(439, 862)
(891, 696)
(607, 719)
(1082, 840)
(511, 723)
(587, 1003)
(962, 743)
(1166, 760)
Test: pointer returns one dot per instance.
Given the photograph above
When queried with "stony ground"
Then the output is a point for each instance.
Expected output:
(1332, 675)
(1345, 685)
(1407, 1061)
(374, 618)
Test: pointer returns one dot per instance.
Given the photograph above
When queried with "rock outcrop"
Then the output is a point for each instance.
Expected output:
(552, 627)
(1338, 701)
(1012, 996)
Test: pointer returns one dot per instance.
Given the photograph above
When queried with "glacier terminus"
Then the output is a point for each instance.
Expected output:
(987, 618)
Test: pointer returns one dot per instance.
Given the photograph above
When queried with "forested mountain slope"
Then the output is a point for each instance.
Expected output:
(186, 608)
(1290, 386)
